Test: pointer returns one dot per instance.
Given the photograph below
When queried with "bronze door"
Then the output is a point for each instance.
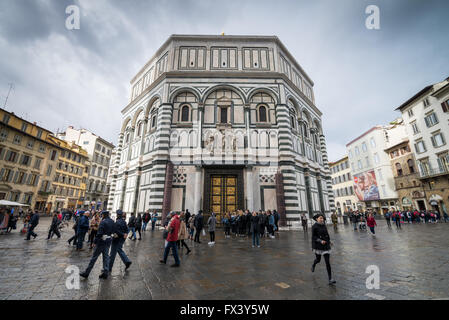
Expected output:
(223, 194)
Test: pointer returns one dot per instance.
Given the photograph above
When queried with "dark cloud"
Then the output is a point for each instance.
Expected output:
(81, 77)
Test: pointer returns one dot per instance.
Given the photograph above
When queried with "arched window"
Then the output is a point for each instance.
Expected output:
(127, 138)
(139, 129)
(153, 122)
(399, 169)
(411, 166)
(185, 112)
(262, 114)
(292, 120)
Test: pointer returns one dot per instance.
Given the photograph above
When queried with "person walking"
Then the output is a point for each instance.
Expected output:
(54, 227)
(93, 229)
(397, 219)
(371, 223)
(211, 222)
(172, 237)
(146, 218)
(334, 219)
(388, 218)
(132, 226)
(354, 219)
(277, 217)
(321, 245)
(12, 222)
(304, 222)
(182, 234)
(120, 233)
(75, 236)
(271, 225)
(153, 220)
(139, 225)
(102, 243)
(191, 223)
(34, 221)
(187, 219)
(198, 225)
(83, 228)
(255, 229)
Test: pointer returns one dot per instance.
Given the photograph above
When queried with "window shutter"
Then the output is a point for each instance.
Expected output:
(8, 154)
(48, 187)
(11, 176)
(1, 174)
(24, 178)
(433, 141)
(16, 176)
(440, 164)
(445, 106)
(426, 119)
(2, 152)
(29, 178)
(37, 180)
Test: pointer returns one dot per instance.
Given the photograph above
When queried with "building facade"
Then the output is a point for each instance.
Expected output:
(343, 187)
(426, 115)
(69, 183)
(222, 123)
(99, 152)
(28, 160)
(371, 168)
(410, 191)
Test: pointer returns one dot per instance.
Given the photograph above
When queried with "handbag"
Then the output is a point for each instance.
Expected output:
(165, 234)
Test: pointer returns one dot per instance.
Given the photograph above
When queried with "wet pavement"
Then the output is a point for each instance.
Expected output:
(413, 264)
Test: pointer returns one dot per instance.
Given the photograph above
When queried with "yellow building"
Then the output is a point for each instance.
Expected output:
(28, 160)
(69, 183)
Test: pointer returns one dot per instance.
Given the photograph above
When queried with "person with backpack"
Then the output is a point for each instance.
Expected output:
(172, 237)
(388, 218)
(397, 219)
(139, 225)
(227, 225)
(153, 220)
(55, 222)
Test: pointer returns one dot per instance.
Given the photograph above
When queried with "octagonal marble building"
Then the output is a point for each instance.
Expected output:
(221, 123)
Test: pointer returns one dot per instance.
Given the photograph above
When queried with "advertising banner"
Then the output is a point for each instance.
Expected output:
(365, 186)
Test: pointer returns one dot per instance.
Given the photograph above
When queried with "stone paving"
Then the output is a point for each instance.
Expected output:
(413, 263)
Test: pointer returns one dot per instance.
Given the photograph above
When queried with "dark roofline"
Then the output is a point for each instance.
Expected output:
(397, 145)
(33, 124)
(406, 103)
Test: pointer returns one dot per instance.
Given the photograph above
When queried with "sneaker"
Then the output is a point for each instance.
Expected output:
(253, 246)
(128, 265)
(162, 261)
(332, 281)
(103, 276)
(175, 265)
(84, 274)
(258, 246)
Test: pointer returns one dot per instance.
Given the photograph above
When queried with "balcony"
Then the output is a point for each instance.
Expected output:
(429, 173)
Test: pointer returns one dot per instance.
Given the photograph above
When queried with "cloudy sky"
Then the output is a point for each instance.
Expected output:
(81, 77)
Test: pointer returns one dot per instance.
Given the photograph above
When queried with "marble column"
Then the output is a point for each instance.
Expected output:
(198, 191)
(249, 189)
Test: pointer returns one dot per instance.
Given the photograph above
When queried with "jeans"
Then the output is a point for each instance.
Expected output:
(144, 226)
(171, 244)
(212, 236)
(133, 230)
(256, 238)
(372, 230)
(81, 236)
(102, 249)
(153, 223)
(117, 247)
(355, 225)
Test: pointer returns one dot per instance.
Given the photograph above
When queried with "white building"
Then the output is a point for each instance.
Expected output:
(371, 168)
(343, 187)
(426, 115)
(99, 151)
(222, 123)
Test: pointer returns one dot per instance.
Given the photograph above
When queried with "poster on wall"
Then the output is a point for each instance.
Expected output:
(365, 186)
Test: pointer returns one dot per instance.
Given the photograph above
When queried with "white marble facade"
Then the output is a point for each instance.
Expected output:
(234, 102)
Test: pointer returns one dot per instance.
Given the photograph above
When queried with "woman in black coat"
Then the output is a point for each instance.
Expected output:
(321, 245)
(138, 224)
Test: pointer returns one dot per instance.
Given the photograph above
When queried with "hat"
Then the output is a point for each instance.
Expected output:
(105, 213)
(315, 217)
(119, 213)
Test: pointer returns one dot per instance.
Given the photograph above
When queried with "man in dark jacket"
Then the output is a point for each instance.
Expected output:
(187, 215)
(118, 239)
(83, 228)
(54, 226)
(102, 244)
(198, 225)
(146, 219)
(34, 221)
(277, 217)
(132, 226)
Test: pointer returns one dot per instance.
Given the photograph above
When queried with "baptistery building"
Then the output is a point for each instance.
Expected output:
(222, 123)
